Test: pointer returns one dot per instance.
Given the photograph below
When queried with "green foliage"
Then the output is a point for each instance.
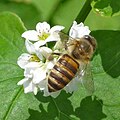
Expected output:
(28, 12)
(105, 102)
(107, 7)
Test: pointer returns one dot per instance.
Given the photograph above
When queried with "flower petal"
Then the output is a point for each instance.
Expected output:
(30, 67)
(56, 28)
(21, 82)
(23, 60)
(45, 51)
(30, 47)
(31, 35)
(39, 44)
(33, 65)
(78, 30)
(42, 85)
(39, 75)
(35, 90)
(42, 27)
(53, 37)
(28, 87)
(74, 23)
(50, 65)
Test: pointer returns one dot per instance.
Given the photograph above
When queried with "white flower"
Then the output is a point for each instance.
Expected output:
(36, 67)
(33, 55)
(43, 33)
(41, 73)
(78, 30)
(27, 82)
(35, 74)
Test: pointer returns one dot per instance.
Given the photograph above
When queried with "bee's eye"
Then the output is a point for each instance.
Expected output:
(87, 37)
(91, 40)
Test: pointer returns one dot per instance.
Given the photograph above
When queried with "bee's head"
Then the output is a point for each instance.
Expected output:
(85, 48)
(91, 40)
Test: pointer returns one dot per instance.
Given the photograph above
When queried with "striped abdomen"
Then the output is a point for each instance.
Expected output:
(62, 73)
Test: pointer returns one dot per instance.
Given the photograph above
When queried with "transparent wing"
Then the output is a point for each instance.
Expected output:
(87, 78)
(64, 37)
(66, 40)
(61, 44)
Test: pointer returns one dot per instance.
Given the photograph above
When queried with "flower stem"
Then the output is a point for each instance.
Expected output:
(84, 11)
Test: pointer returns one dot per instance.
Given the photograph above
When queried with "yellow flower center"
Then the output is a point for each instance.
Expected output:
(34, 58)
(44, 36)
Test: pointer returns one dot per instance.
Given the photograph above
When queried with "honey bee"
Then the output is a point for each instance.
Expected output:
(74, 62)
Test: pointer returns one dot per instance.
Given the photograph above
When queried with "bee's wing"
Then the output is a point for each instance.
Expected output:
(65, 39)
(87, 78)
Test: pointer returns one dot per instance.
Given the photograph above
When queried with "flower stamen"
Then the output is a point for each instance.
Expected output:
(34, 58)
(44, 36)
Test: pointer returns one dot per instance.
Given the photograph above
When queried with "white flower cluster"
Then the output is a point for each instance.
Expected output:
(37, 63)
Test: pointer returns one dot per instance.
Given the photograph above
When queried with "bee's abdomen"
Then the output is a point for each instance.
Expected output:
(62, 73)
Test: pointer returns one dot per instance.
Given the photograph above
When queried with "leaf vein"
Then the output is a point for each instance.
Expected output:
(9, 63)
(5, 38)
(60, 112)
(12, 104)
(4, 80)
(113, 65)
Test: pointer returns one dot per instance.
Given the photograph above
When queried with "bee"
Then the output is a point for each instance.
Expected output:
(74, 62)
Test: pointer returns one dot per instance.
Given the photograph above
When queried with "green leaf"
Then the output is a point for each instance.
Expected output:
(23, 9)
(13, 102)
(107, 7)
(65, 13)
(15, 105)
(109, 49)
(107, 71)
(102, 23)
(46, 8)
